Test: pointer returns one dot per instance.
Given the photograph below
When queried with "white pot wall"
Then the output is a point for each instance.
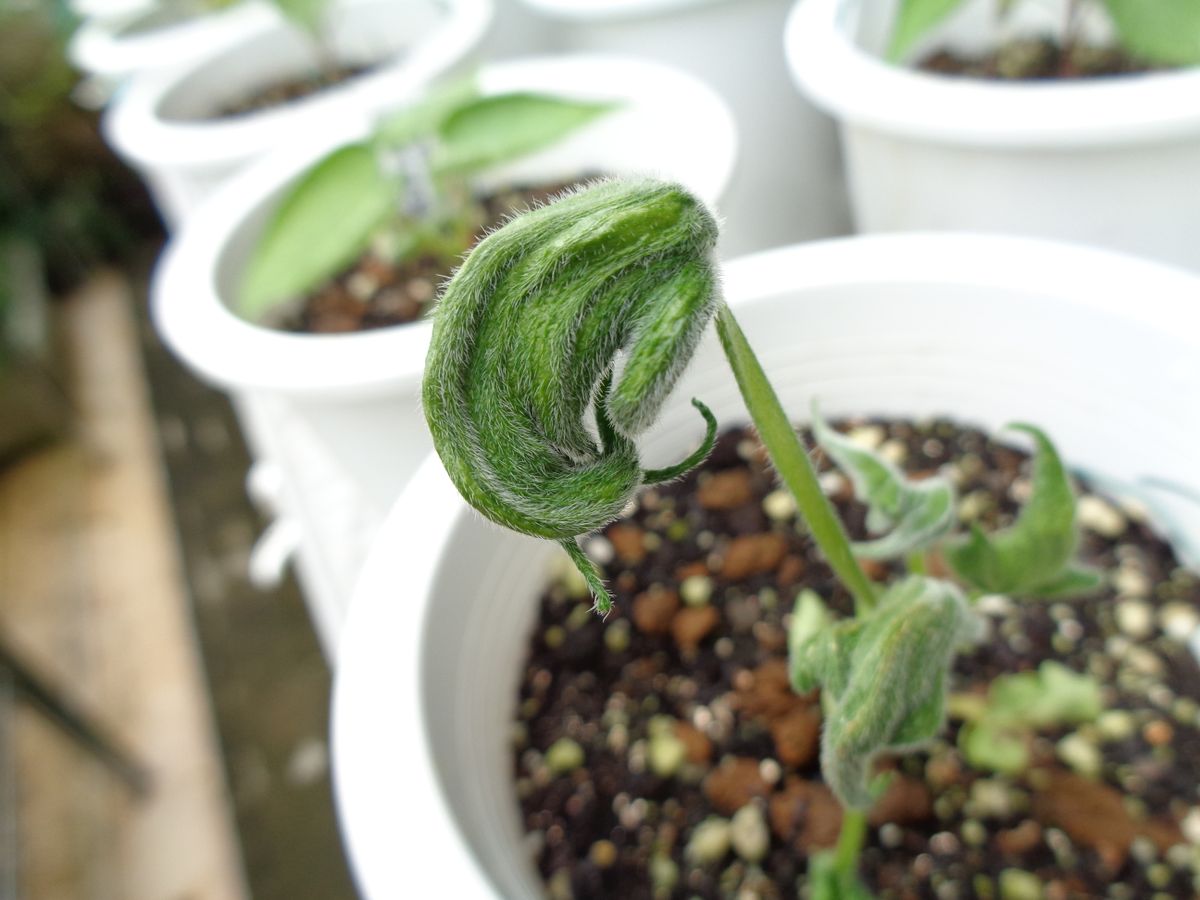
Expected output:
(157, 122)
(1099, 161)
(988, 330)
(338, 414)
(788, 186)
(109, 46)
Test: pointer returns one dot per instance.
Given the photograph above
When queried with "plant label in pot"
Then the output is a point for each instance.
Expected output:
(937, 326)
(351, 395)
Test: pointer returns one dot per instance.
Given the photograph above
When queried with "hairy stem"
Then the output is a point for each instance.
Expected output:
(850, 841)
(792, 462)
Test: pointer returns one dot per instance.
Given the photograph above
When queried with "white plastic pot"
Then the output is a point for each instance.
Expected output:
(988, 330)
(1105, 161)
(118, 39)
(338, 414)
(161, 122)
(788, 186)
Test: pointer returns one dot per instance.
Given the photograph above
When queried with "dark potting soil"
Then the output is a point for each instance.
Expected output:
(705, 572)
(1031, 59)
(376, 292)
(286, 91)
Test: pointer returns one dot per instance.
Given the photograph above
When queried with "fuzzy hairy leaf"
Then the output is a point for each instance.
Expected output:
(324, 222)
(1033, 557)
(913, 21)
(1166, 32)
(883, 678)
(491, 130)
(918, 513)
(524, 341)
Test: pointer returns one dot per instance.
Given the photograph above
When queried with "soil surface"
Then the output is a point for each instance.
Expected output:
(1031, 59)
(676, 711)
(376, 291)
(286, 91)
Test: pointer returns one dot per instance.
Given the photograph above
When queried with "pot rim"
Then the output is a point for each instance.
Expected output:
(135, 127)
(186, 303)
(594, 11)
(100, 47)
(865, 91)
(391, 755)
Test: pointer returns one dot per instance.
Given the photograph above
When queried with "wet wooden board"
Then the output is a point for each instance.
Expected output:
(90, 589)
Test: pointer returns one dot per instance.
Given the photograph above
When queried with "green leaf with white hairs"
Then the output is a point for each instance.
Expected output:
(1166, 32)
(918, 513)
(913, 21)
(883, 678)
(503, 127)
(322, 225)
(523, 346)
(1033, 557)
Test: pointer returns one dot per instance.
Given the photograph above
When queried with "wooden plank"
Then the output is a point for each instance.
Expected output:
(90, 582)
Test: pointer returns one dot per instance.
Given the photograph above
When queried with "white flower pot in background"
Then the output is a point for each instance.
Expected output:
(337, 415)
(119, 38)
(788, 186)
(161, 122)
(987, 330)
(1107, 161)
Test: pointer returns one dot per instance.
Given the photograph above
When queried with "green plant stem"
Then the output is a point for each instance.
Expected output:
(850, 841)
(792, 462)
(916, 564)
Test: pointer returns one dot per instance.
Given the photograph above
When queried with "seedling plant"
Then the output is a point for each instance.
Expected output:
(1163, 32)
(524, 358)
(406, 187)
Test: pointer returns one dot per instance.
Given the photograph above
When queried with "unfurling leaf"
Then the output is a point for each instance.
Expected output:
(882, 678)
(913, 21)
(523, 346)
(322, 225)
(1034, 556)
(1166, 32)
(496, 129)
(917, 512)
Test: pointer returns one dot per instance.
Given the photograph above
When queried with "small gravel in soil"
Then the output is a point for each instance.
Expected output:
(691, 740)
(377, 292)
(1028, 59)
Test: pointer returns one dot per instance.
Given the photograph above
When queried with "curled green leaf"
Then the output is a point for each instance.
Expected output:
(1033, 557)
(883, 678)
(917, 512)
(524, 344)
